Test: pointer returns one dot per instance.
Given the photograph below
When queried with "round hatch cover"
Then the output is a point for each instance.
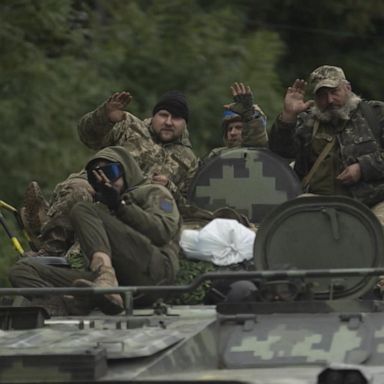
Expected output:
(322, 233)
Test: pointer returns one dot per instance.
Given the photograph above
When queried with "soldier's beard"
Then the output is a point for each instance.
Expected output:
(333, 114)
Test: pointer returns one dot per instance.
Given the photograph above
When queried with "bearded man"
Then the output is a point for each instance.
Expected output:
(336, 139)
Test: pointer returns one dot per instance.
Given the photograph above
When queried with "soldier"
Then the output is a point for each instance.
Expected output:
(336, 139)
(160, 145)
(130, 236)
(244, 123)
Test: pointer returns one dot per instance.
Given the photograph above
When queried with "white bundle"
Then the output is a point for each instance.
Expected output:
(222, 242)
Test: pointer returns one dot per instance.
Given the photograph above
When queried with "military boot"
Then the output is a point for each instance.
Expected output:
(33, 213)
(110, 304)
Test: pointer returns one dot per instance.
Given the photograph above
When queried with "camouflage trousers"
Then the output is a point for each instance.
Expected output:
(57, 234)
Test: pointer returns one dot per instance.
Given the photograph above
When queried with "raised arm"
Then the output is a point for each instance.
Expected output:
(95, 128)
(254, 131)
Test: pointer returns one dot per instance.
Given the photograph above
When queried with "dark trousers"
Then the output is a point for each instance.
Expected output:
(30, 273)
(135, 259)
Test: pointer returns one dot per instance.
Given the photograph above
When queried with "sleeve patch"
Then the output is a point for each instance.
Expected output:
(166, 205)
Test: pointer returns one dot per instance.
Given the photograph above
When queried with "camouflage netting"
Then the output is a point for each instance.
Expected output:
(191, 269)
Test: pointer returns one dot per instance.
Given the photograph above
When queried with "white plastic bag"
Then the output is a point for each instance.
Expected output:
(222, 242)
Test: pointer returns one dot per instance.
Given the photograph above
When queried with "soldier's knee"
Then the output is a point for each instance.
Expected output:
(79, 210)
(67, 194)
(73, 190)
(19, 273)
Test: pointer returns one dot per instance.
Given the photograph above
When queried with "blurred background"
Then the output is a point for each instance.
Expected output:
(62, 58)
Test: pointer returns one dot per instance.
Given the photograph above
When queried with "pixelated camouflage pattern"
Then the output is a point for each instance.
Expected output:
(281, 345)
(296, 339)
(132, 342)
(326, 76)
(175, 160)
(356, 142)
(252, 181)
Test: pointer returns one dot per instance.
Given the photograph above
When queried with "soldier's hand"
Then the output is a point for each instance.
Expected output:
(105, 192)
(160, 179)
(294, 102)
(243, 101)
(351, 174)
(115, 106)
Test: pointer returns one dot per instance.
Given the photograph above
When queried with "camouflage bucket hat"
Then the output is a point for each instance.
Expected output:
(326, 76)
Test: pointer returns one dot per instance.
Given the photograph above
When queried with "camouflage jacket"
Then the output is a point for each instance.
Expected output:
(176, 159)
(356, 141)
(254, 134)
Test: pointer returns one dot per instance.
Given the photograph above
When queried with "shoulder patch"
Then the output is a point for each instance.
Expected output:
(166, 205)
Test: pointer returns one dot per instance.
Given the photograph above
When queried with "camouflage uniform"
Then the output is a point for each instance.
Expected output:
(254, 133)
(141, 236)
(355, 142)
(175, 160)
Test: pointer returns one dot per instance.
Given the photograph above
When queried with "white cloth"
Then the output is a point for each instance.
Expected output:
(222, 242)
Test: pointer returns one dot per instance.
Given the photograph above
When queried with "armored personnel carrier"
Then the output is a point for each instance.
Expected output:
(310, 311)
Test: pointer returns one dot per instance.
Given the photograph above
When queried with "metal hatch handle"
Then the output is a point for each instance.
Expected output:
(332, 215)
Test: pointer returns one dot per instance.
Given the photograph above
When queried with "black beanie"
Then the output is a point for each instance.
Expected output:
(174, 102)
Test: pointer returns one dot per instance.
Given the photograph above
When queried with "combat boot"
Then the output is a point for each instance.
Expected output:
(33, 213)
(110, 304)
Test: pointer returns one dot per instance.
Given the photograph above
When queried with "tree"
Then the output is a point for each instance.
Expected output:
(183, 45)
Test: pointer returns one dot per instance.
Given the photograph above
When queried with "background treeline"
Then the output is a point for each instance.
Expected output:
(62, 58)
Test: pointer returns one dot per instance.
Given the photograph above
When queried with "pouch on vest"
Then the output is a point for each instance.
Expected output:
(322, 233)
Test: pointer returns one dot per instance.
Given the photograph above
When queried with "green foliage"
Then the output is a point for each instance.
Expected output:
(166, 45)
(345, 33)
(60, 59)
(41, 94)
(8, 254)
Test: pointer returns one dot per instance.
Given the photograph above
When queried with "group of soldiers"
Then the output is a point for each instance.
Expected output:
(125, 209)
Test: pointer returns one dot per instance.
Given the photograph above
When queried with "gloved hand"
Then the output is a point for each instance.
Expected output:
(108, 195)
(243, 101)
